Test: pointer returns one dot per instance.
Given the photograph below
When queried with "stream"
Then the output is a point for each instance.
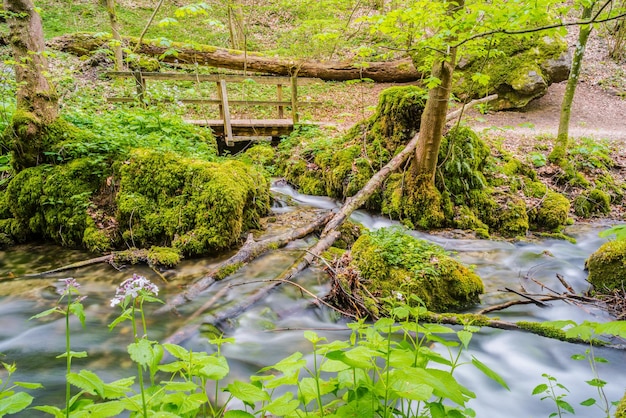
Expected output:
(273, 328)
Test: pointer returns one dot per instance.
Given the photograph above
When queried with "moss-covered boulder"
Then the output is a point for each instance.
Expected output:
(394, 264)
(193, 205)
(607, 266)
(590, 202)
(621, 408)
(521, 71)
(551, 213)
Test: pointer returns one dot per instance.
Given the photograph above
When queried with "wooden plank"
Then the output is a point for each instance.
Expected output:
(279, 90)
(248, 127)
(294, 98)
(226, 114)
(234, 78)
(216, 101)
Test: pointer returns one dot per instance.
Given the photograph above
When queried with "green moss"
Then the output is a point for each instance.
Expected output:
(192, 205)
(227, 271)
(552, 213)
(391, 261)
(465, 218)
(592, 202)
(95, 239)
(621, 408)
(535, 189)
(607, 266)
(333, 253)
(163, 256)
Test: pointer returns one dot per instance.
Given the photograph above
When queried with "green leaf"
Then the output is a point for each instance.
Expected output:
(77, 310)
(118, 388)
(540, 389)
(246, 392)
(177, 351)
(616, 328)
(578, 357)
(52, 410)
(216, 368)
(405, 386)
(237, 413)
(489, 372)
(179, 386)
(465, 337)
(596, 383)
(283, 405)
(565, 406)
(105, 409)
(46, 313)
(27, 385)
(15, 403)
(141, 352)
(588, 402)
(74, 354)
(288, 365)
(88, 381)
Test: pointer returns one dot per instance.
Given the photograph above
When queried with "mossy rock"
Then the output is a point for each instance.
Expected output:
(392, 262)
(594, 201)
(552, 213)
(607, 266)
(192, 205)
(522, 72)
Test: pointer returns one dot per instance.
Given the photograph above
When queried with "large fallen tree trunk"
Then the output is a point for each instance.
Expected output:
(400, 71)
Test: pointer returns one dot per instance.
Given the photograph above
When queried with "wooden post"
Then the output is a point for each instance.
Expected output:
(294, 98)
(281, 109)
(141, 87)
(225, 113)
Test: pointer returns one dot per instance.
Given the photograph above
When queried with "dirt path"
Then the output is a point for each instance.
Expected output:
(595, 113)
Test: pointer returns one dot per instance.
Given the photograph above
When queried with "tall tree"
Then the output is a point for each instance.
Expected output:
(37, 101)
(559, 150)
(115, 31)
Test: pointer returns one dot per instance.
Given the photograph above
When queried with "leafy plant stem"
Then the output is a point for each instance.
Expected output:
(139, 368)
(68, 357)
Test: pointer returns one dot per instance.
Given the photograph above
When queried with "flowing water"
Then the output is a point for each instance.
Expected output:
(273, 328)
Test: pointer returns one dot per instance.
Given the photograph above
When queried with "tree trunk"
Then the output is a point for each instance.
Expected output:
(235, 26)
(383, 72)
(560, 146)
(434, 120)
(115, 31)
(37, 101)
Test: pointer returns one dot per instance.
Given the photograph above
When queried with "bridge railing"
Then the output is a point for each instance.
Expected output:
(222, 100)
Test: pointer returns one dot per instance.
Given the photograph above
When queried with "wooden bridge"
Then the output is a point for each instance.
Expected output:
(230, 129)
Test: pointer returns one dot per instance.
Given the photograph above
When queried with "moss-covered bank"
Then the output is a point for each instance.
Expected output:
(478, 186)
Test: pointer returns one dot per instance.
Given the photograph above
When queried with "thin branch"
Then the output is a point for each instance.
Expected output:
(145, 29)
(594, 19)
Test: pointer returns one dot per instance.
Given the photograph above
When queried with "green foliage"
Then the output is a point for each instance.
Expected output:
(556, 392)
(618, 230)
(589, 154)
(591, 202)
(11, 400)
(395, 263)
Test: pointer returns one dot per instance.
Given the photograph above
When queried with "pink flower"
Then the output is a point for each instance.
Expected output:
(134, 287)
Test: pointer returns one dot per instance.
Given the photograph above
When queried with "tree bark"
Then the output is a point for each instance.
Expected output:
(37, 101)
(560, 146)
(115, 31)
(383, 72)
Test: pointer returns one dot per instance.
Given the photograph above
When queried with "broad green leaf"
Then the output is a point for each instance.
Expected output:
(334, 366)
(52, 410)
(237, 413)
(405, 386)
(246, 392)
(307, 389)
(177, 351)
(141, 352)
(565, 406)
(77, 310)
(118, 388)
(288, 365)
(216, 368)
(282, 405)
(616, 328)
(437, 410)
(105, 409)
(596, 383)
(313, 337)
(179, 386)
(489, 373)
(465, 337)
(15, 403)
(88, 381)
(445, 385)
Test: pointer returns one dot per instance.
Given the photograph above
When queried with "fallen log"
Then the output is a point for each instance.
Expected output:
(400, 71)
(250, 250)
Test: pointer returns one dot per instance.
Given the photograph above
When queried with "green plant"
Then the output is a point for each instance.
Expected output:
(551, 391)
(73, 307)
(12, 402)
(538, 159)
(618, 230)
